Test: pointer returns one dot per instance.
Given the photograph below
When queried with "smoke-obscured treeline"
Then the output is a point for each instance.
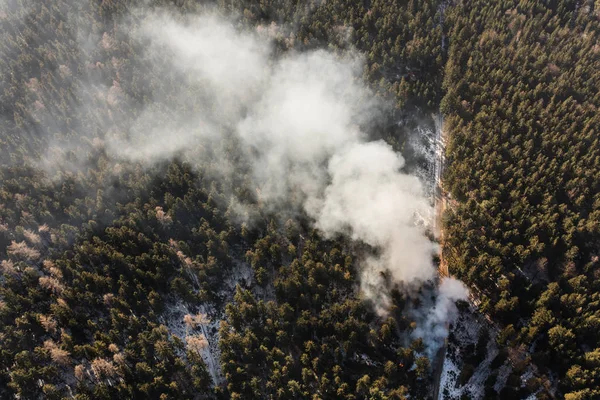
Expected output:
(108, 264)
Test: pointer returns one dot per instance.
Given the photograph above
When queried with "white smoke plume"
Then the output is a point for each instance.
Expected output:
(434, 322)
(297, 119)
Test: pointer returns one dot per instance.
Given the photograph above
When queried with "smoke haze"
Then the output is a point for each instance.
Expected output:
(434, 321)
(298, 121)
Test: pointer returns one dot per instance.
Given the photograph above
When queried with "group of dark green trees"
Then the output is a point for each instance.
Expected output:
(521, 103)
(96, 252)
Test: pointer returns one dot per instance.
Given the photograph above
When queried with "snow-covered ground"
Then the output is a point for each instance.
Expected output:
(423, 144)
(492, 369)
(238, 273)
(427, 144)
(465, 335)
(173, 318)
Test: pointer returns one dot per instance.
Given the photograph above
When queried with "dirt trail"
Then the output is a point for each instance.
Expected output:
(439, 194)
(439, 205)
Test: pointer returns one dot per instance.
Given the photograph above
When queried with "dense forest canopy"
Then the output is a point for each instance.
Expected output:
(521, 102)
(218, 199)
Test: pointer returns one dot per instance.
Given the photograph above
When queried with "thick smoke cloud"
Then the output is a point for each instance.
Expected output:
(298, 121)
(434, 321)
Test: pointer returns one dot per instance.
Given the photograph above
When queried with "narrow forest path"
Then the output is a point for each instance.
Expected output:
(438, 210)
(440, 197)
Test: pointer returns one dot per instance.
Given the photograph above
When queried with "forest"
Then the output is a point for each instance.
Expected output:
(140, 259)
